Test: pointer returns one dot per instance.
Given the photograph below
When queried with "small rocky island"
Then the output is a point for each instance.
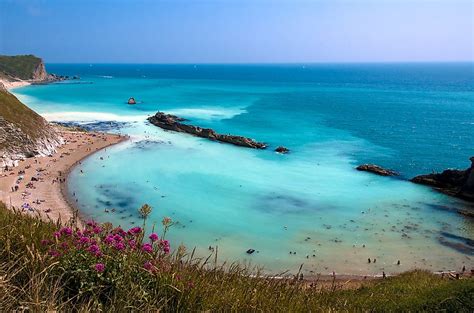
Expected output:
(458, 183)
(282, 150)
(172, 122)
(375, 169)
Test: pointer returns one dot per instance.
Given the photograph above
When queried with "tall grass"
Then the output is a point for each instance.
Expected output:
(32, 279)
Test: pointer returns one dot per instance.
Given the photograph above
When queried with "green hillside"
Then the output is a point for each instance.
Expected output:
(19, 66)
(19, 125)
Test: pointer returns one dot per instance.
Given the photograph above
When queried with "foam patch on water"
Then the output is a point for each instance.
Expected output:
(91, 117)
(208, 113)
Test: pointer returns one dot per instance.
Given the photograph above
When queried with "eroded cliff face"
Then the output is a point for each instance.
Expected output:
(40, 73)
(23, 133)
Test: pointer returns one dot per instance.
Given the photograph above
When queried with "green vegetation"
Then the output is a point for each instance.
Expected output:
(18, 66)
(29, 122)
(46, 266)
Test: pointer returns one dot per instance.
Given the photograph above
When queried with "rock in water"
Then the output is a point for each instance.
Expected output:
(131, 100)
(282, 150)
(172, 122)
(376, 170)
(458, 183)
(250, 251)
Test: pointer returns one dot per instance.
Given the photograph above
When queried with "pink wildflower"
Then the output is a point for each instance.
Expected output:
(54, 253)
(45, 242)
(109, 239)
(118, 238)
(84, 240)
(148, 266)
(94, 249)
(99, 267)
(132, 244)
(97, 229)
(91, 223)
(66, 231)
(57, 234)
(166, 246)
(153, 237)
(135, 230)
(147, 248)
(119, 246)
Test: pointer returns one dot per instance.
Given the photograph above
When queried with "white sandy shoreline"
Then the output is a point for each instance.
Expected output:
(41, 181)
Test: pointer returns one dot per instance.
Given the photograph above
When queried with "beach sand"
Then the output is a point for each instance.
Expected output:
(14, 84)
(41, 181)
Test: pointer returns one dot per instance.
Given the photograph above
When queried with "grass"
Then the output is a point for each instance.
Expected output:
(19, 66)
(33, 280)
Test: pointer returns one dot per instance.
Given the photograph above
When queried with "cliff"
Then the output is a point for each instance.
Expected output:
(23, 133)
(459, 183)
(25, 68)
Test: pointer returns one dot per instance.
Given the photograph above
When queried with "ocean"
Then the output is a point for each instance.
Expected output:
(307, 207)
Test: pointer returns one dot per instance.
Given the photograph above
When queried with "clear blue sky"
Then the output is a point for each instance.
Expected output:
(244, 31)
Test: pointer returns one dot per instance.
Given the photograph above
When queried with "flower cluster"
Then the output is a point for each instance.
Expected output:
(102, 243)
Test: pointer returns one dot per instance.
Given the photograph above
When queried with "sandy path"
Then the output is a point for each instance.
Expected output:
(44, 194)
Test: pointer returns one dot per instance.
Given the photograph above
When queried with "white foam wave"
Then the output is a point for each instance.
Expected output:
(91, 117)
(106, 76)
(208, 113)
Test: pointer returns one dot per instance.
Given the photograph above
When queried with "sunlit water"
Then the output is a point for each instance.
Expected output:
(413, 118)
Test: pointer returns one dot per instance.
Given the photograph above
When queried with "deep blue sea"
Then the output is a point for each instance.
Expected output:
(413, 118)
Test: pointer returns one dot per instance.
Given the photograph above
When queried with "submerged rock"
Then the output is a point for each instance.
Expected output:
(250, 251)
(282, 149)
(458, 183)
(375, 169)
(172, 122)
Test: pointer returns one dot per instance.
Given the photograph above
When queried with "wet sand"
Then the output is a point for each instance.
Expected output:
(41, 181)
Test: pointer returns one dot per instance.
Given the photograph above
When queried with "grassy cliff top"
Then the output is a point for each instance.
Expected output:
(18, 66)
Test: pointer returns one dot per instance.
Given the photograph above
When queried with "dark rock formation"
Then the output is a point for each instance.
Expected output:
(282, 149)
(172, 122)
(458, 183)
(375, 169)
(250, 251)
(131, 100)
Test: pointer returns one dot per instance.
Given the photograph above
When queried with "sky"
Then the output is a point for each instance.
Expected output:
(245, 31)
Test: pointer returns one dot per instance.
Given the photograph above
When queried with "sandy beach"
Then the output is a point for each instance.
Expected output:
(38, 184)
(14, 84)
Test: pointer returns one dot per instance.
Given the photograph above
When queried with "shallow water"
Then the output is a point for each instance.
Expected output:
(413, 118)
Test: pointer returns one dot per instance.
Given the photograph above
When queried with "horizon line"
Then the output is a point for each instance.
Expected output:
(265, 63)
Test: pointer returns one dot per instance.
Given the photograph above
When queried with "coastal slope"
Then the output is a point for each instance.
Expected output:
(23, 132)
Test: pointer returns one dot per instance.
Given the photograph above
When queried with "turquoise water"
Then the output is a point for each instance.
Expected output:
(413, 118)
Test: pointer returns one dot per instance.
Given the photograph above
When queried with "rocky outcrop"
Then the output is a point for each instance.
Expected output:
(459, 183)
(282, 150)
(375, 169)
(172, 122)
(39, 72)
(23, 133)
